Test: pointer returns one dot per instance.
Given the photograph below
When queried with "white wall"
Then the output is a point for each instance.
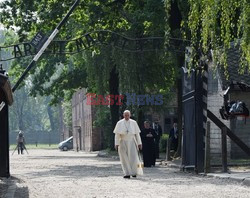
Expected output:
(214, 103)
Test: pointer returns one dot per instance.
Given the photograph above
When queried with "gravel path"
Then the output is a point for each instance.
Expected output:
(57, 174)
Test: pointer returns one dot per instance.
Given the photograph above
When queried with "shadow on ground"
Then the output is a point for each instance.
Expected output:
(80, 171)
(13, 186)
(22, 192)
(61, 157)
(3, 186)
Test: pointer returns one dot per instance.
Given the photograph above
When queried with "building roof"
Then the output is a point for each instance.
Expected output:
(233, 61)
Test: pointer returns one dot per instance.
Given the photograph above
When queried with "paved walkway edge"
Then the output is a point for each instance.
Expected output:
(240, 177)
(245, 180)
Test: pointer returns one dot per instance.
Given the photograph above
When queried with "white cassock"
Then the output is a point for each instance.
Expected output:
(127, 136)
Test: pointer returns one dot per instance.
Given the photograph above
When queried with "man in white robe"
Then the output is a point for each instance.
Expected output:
(127, 142)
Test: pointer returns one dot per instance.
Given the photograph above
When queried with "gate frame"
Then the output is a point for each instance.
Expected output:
(199, 94)
(6, 99)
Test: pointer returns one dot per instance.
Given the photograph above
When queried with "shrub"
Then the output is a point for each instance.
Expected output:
(163, 142)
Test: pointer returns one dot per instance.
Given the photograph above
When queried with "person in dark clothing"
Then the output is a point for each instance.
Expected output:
(158, 131)
(148, 136)
(20, 142)
(173, 135)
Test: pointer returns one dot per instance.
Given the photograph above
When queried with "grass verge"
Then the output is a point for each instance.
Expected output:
(38, 146)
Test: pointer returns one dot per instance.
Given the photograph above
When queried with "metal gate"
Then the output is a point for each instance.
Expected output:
(193, 134)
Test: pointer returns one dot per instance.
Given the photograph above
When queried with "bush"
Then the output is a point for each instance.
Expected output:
(103, 121)
(163, 142)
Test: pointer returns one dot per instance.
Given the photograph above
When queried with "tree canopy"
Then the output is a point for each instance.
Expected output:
(215, 25)
(102, 69)
(205, 25)
(29, 114)
(141, 72)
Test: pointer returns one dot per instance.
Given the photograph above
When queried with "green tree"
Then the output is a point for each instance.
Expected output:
(215, 24)
(27, 113)
(209, 25)
(104, 69)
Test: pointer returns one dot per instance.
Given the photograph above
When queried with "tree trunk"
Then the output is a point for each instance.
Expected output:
(51, 118)
(114, 109)
(61, 122)
(175, 19)
(179, 114)
(141, 118)
(20, 101)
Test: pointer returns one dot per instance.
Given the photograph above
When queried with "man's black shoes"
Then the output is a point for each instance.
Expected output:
(128, 176)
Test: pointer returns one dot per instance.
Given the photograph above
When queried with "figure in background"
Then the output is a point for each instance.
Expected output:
(158, 130)
(128, 142)
(173, 135)
(20, 142)
(148, 137)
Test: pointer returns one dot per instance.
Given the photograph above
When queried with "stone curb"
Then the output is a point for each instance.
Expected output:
(239, 179)
(245, 180)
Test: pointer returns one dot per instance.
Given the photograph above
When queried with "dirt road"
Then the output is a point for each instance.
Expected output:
(57, 174)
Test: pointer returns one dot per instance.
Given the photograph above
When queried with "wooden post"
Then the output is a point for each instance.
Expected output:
(4, 138)
(6, 99)
(224, 149)
(207, 149)
(230, 134)
(168, 149)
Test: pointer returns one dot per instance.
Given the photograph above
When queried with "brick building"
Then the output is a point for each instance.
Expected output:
(217, 85)
(86, 137)
(166, 117)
